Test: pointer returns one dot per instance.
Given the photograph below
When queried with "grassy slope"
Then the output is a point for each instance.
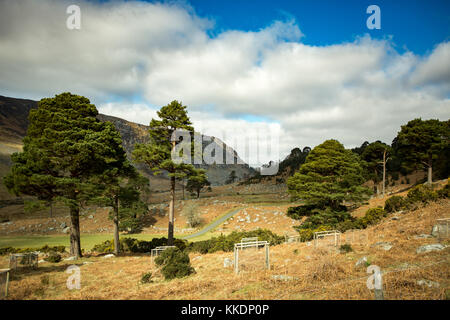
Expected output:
(315, 273)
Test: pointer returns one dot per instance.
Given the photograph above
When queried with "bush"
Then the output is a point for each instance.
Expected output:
(395, 203)
(175, 264)
(132, 245)
(190, 211)
(301, 211)
(372, 216)
(146, 278)
(53, 257)
(327, 217)
(444, 192)
(46, 249)
(307, 234)
(226, 243)
(345, 248)
(421, 193)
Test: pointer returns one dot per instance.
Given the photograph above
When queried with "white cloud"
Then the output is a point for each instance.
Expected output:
(362, 90)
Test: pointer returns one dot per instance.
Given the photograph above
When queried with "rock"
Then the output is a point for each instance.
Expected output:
(66, 230)
(282, 277)
(428, 283)
(70, 258)
(90, 216)
(430, 247)
(87, 262)
(383, 245)
(227, 262)
(361, 262)
(63, 225)
(109, 256)
(197, 258)
(41, 261)
(422, 236)
(395, 218)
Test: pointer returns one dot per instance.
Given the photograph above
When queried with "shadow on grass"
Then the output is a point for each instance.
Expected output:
(22, 272)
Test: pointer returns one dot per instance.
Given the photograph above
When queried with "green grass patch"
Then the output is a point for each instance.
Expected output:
(87, 240)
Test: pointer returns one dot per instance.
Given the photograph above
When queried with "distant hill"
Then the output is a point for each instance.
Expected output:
(14, 123)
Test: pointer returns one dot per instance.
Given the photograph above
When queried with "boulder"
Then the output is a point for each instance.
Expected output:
(383, 245)
(430, 247)
(227, 262)
(282, 277)
(361, 262)
(428, 283)
(70, 258)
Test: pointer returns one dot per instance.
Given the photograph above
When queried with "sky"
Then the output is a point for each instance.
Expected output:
(278, 74)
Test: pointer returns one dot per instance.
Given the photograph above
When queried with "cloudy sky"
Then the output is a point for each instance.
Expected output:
(292, 73)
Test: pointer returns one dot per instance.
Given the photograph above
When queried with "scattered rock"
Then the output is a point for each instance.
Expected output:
(282, 277)
(383, 245)
(70, 258)
(227, 262)
(428, 283)
(361, 262)
(430, 247)
(422, 236)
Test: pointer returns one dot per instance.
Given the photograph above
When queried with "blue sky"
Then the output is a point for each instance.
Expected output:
(415, 24)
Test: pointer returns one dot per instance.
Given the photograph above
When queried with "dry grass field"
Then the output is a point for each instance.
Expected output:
(297, 270)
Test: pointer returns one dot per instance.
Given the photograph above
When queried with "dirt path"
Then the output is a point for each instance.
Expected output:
(214, 224)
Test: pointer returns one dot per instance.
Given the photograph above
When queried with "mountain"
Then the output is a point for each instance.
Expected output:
(14, 124)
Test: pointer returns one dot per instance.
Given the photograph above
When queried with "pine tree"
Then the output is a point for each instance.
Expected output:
(330, 175)
(197, 182)
(66, 153)
(373, 155)
(157, 152)
(420, 142)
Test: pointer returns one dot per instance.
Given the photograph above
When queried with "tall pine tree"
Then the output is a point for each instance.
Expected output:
(66, 153)
(157, 152)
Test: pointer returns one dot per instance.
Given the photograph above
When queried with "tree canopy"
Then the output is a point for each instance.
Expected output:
(330, 175)
(420, 142)
(67, 152)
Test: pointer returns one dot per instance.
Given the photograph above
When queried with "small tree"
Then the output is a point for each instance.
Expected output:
(375, 155)
(419, 142)
(157, 152)
(197, 182)
(330, 175)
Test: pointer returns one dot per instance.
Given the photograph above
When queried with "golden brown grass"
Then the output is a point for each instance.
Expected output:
(315, 273)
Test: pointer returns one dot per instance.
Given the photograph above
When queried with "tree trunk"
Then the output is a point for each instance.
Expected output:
(51, 209)
(198, 193)
(75, 246)
(171, 211)
(116, 226)
(430, 171)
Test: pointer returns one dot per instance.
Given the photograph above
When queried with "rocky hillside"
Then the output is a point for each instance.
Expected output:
(14, 123)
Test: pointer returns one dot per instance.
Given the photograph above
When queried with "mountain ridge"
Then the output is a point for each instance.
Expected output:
(14, 123)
